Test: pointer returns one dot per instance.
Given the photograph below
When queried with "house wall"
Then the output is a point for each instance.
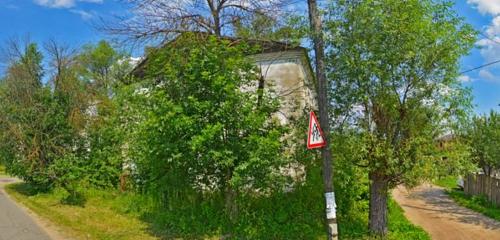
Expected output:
(289, 74)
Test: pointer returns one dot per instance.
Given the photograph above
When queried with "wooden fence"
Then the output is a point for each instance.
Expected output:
(483, 185)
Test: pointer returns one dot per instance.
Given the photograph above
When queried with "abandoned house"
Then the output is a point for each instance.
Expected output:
(284, 68)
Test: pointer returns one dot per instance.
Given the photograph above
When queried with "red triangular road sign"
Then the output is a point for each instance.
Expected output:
(315, 137)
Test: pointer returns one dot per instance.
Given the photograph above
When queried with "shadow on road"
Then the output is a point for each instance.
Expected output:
(438, 201)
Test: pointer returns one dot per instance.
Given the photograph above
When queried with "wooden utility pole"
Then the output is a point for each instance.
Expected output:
(319, 51)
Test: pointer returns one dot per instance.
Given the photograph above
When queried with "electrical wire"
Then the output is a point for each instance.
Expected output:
(482, 66)
(487, 64)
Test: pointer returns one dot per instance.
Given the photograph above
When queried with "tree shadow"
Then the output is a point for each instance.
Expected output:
(280, 216)
(25, 189)
(75, 198)
(439, 202)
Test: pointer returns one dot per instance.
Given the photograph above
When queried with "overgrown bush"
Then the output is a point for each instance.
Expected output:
(201, 130)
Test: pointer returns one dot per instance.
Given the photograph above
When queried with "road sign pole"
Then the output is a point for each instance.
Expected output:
(317, 139)
(319, 50)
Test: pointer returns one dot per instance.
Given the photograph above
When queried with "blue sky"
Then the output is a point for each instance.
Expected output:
(70, 21)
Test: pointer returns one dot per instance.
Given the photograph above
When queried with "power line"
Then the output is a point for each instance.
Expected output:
(482, 66)
(489, 38)
(487, 64)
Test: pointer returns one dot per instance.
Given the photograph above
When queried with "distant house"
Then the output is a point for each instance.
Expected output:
(445, 141)
(283, 67)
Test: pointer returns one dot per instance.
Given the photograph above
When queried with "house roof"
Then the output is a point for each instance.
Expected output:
(266, 46)
(446, 137)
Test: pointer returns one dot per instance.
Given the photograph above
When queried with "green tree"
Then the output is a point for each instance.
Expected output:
(291, 30)
(393, 67)
(200, 130)
(484, 138)
(36, 130)
(103, 70)
(102, 67)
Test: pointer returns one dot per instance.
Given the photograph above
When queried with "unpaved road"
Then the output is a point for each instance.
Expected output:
(15, 223)
(429, 207)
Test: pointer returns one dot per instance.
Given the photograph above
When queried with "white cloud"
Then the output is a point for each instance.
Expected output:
(83, 14)
(56, 3)
(486, 6)
(63, 3)
(490, 46)
(487, 75)
(490, 43)
(494, 28)
(465, 78)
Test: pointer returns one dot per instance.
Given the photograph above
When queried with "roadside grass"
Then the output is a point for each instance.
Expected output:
(2, 171)
(400, 228)
(448, 182)
(114, 215)
(477, 203)
(99, 219)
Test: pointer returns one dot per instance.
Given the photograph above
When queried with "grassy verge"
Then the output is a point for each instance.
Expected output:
(477, 203)
(400, 228)
(2, 171)
(112, 215)
(449, 182)
(99, 219)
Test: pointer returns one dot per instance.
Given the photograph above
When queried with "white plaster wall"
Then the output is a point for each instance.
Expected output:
(288, 74)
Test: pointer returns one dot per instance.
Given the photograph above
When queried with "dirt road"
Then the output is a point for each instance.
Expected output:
(15, 223)
(429, 207)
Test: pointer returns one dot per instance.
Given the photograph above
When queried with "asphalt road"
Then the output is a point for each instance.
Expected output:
(15, 223)
(429, 207)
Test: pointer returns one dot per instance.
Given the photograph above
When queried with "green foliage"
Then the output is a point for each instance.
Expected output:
(102, 67)
(354, 227)
(70, 173)
(205, 152)
(292, 29)
(393, 68)
(199, 130)
(400, 227)
(448, 182)
(484, 138)
(294, 215)
(398, 62)
(2, 170)
(48, 134)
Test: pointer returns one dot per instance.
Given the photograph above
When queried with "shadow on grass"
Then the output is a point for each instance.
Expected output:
(25, 189)
(72, 198)
(281, 216)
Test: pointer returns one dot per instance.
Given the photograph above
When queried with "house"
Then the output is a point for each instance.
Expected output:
(284, 68)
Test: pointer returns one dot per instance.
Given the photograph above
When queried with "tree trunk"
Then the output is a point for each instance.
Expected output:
(230, 204)
(230, 195)
(378, 204)
(260, 90)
